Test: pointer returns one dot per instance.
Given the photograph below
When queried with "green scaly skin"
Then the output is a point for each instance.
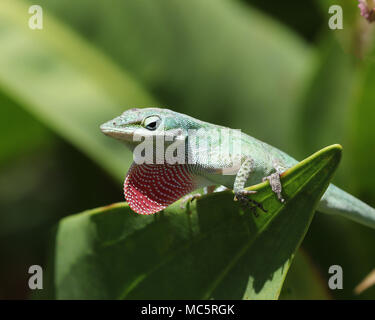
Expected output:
(258, 160)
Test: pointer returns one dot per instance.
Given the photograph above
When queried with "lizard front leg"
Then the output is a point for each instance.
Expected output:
(239, 186)
(274, 179)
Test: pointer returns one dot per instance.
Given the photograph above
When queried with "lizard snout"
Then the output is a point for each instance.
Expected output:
(115, 128)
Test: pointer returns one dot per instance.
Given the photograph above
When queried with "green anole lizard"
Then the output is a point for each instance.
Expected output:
(150, 187)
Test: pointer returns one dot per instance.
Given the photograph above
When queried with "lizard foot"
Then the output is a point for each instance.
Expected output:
(206, 190)
(189, 198)
(245, 201)
(275, 184)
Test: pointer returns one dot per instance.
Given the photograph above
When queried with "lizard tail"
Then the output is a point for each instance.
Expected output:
(337, 201)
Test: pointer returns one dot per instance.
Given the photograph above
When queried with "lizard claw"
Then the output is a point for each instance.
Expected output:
(189, 197)
(247, 202)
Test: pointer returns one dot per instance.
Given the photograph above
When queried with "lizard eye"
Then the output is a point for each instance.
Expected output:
(152, 123)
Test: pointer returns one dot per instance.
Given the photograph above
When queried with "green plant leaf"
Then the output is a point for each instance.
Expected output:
(304, 281)
(325, 110)
(66, 83)
(327, 98)
(335, 240)
(214, 60)
(211, 249)
(16, 143)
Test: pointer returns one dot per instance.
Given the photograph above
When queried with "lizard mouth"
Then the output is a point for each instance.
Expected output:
(117, 133)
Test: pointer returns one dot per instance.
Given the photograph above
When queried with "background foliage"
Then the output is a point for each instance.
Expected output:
(273, 69)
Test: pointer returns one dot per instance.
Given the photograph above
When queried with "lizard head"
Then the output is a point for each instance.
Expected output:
(142, 193)
(148, 122)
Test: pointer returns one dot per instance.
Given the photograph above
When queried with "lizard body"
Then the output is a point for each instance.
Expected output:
(235, 161)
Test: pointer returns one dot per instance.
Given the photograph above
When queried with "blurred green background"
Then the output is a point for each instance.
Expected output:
(273, 69)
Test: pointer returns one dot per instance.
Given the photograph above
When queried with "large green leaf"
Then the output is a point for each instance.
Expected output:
(212, 249)
(304, 281)
(18, 122)
(325, 111)
(362, 131)
(66, 83)
(217, 60)
(340, 98)
(325, 106)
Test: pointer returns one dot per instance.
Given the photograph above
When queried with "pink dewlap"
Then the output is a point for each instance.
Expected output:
(150, 188)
